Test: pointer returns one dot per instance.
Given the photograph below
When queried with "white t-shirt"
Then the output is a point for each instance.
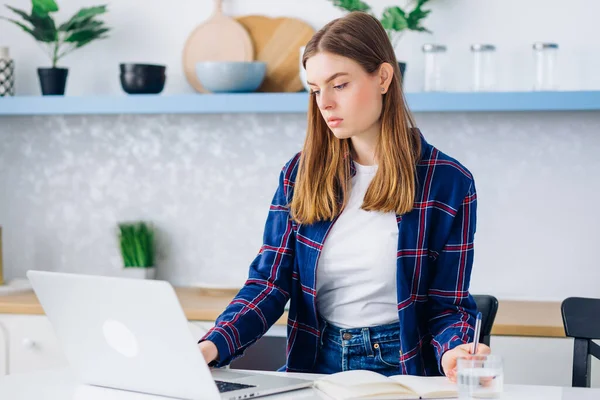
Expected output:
(356, 272)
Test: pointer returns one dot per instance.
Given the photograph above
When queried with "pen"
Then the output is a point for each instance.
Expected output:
(477, 333)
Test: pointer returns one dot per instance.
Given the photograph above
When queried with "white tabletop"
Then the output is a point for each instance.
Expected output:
(62, 385)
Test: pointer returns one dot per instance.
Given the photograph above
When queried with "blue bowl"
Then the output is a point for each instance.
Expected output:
(231, 76)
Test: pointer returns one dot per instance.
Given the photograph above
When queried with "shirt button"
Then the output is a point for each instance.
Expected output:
(347, 336)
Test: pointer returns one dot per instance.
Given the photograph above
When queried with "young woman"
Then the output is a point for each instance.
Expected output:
(370, 232)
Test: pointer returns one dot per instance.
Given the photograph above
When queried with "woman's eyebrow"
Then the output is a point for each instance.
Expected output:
(332, 77)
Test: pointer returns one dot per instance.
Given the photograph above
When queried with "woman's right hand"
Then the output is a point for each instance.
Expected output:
(209, 350)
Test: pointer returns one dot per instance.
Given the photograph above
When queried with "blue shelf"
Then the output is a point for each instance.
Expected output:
(289, 103)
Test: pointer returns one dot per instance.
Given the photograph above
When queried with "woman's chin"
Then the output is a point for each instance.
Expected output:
(341, 133)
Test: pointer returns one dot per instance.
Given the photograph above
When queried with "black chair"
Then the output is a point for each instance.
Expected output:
(267, 354)
(581, 319)
(488, 306)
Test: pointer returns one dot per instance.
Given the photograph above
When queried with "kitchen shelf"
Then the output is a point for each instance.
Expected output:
(289, 103)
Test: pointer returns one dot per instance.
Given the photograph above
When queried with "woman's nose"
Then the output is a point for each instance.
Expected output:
(327, 102)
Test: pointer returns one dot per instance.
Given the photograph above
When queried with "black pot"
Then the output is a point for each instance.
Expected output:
(402, 66)
(53, 80)
(146, 69)
(142, 78)
(142, 83)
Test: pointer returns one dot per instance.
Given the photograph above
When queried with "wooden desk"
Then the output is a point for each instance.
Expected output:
(62, 385)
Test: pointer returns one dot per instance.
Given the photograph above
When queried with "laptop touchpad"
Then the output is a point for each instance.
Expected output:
(227, 375)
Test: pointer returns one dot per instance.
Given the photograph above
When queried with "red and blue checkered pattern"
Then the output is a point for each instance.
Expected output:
(435, 257)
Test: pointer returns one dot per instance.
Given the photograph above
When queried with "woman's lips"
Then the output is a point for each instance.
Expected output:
(334, 122)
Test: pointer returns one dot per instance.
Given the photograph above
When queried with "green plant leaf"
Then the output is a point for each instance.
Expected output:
(23, 26)
(21, 13)
(89, 25)
(84, 36)
(83, 16)
(416, 16)
(45, 29)
(42, 27)
(70, 25)
(128, 235)
(137, 245)
(351, 5)
(43, 7)
(394, 19)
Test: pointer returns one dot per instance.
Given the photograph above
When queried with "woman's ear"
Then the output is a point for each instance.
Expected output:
(386, 73)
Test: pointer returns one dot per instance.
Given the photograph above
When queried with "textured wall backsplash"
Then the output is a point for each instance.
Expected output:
(206, 182)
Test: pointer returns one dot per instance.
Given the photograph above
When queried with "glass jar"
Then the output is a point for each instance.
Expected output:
(484, 67)
(545, 60)
(435, 59)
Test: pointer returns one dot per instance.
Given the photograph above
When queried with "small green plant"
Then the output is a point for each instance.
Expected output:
(137, 244)
(395, 20)
(80, 30)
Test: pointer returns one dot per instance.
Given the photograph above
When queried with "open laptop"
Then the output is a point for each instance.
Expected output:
(132, 334)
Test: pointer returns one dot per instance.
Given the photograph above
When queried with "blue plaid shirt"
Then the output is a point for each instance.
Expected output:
(434, 261)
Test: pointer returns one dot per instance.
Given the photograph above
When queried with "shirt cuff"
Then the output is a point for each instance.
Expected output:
(224, 356)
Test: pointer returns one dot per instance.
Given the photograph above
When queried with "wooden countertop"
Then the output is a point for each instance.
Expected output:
(514, 318)
(198, 304)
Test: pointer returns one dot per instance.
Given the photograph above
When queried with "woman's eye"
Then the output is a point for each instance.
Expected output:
(338, 87)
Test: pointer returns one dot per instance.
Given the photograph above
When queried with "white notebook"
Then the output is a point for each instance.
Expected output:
(363, 384)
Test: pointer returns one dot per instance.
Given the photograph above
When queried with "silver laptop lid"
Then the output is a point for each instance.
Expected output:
(124, 333)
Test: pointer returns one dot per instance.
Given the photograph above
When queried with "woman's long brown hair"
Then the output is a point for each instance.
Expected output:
(323, 181)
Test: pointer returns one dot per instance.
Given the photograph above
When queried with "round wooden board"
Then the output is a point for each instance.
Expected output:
(220, 38)
(277, 42)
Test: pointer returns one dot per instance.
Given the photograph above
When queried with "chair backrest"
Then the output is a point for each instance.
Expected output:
(488, 306)
(581, 320)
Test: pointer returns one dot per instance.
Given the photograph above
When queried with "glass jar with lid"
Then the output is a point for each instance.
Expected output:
(483, 67)
(545, 61)
(435, 60)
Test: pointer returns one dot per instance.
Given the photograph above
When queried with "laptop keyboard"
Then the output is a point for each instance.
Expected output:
(231, 386)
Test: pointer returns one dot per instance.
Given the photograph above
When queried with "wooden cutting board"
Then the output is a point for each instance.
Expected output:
(220, 38)
(277, 42)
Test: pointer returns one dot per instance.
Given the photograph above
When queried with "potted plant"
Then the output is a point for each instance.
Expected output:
(58, 41)
(136, 241)
(395, 20)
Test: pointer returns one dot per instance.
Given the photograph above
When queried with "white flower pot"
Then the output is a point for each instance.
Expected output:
(7, 73)
(139, 272)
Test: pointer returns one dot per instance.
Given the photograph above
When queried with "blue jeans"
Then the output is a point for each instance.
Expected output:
(374, 348)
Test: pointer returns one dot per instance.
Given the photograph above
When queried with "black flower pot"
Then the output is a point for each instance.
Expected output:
(402, 66)
(53, 80)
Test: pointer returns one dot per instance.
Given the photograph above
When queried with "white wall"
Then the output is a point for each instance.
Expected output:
(537, 177)
(65, 181)
(155, 31)
(539, 361)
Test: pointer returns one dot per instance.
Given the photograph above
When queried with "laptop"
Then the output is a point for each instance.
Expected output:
(132, 334)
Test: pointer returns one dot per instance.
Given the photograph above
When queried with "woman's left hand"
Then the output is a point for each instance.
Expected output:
(463, 351)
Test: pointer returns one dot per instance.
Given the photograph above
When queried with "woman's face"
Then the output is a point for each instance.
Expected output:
(349, 98)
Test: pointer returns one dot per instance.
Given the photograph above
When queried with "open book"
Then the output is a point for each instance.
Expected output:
(363, 384)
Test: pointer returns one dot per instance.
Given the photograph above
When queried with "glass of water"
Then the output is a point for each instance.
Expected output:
(480, 377)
